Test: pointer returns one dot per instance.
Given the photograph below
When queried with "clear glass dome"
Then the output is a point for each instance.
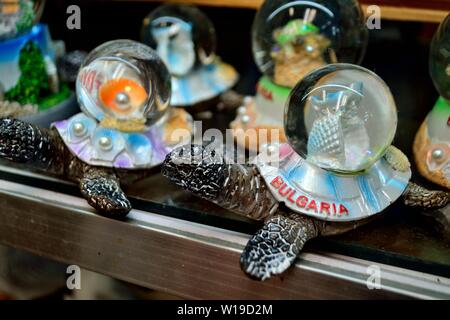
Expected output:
(341, 117)
(440, 59)
(182, 35)
(18, 16)
(293, 38)
(124, 81)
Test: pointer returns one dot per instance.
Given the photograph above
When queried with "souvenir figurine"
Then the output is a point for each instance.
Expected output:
(18, 16)
(185, 39)
(29, 81)
(290, 39)
(125, 129)
(432, 143)
(337, 172)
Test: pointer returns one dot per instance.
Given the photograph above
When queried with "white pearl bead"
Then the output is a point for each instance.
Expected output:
(105, 143)
(122, 98)
(437, 154)
(245, 119)
(79, 129)
(242, 110)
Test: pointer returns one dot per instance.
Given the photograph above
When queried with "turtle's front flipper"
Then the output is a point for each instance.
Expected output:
(273, 249)
(102, 191)
(22, 142)
(417, 196)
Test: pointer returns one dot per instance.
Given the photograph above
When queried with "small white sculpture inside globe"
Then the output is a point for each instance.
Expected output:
(182, 35)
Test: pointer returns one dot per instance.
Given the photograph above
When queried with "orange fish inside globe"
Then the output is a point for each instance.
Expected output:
(122, 96)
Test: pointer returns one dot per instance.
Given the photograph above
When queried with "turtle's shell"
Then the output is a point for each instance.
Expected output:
(308, 189)
(88, 141)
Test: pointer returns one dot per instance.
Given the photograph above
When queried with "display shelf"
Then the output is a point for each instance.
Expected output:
(180, 257)
(402, 10)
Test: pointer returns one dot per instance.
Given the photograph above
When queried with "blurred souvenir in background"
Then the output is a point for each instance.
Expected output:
(185, 39)
(69, 65)
(29, 82)
(290, 39)
(18, 16)
(432, 143)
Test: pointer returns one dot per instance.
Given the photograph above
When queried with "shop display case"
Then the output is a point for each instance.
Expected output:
(176, 243)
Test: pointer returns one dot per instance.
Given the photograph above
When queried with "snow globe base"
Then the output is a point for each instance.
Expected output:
(260, 118)
(432, 145)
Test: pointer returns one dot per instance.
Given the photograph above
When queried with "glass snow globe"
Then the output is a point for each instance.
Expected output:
(185, 39)
(124, 85)
(290, 39)
(341, 118)
(182, 35)
(432, 143)
(293, 38)
(440, 59)
(18, 16)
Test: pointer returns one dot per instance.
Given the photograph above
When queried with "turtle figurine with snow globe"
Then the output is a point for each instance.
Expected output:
(126, 128)
(432, 143)
(29, 82)
(290, 39)
(337, 172)
(185, 39)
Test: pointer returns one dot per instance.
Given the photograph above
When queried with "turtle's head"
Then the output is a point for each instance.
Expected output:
(198, 169)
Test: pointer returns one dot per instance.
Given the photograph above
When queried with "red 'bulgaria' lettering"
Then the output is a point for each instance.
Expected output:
(290, 196)
(343, 210)
(312, 206)
(304, 202)
(325, 208)
(277, 182)
(282, 190)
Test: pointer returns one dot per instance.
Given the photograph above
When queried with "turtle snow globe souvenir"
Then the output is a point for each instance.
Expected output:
(432, 144)
(126, 127)
(29, 85)
(290, 39)
(185, 39)
(337, 172)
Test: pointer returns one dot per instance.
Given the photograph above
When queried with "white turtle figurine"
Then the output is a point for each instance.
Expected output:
(126, 128)
(296, 197)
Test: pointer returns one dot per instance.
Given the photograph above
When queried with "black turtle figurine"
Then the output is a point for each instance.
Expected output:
(289, 188)
(126, 127)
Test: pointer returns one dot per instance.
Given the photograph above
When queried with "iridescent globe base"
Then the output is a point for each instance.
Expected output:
(308, 189)
(432, 145)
